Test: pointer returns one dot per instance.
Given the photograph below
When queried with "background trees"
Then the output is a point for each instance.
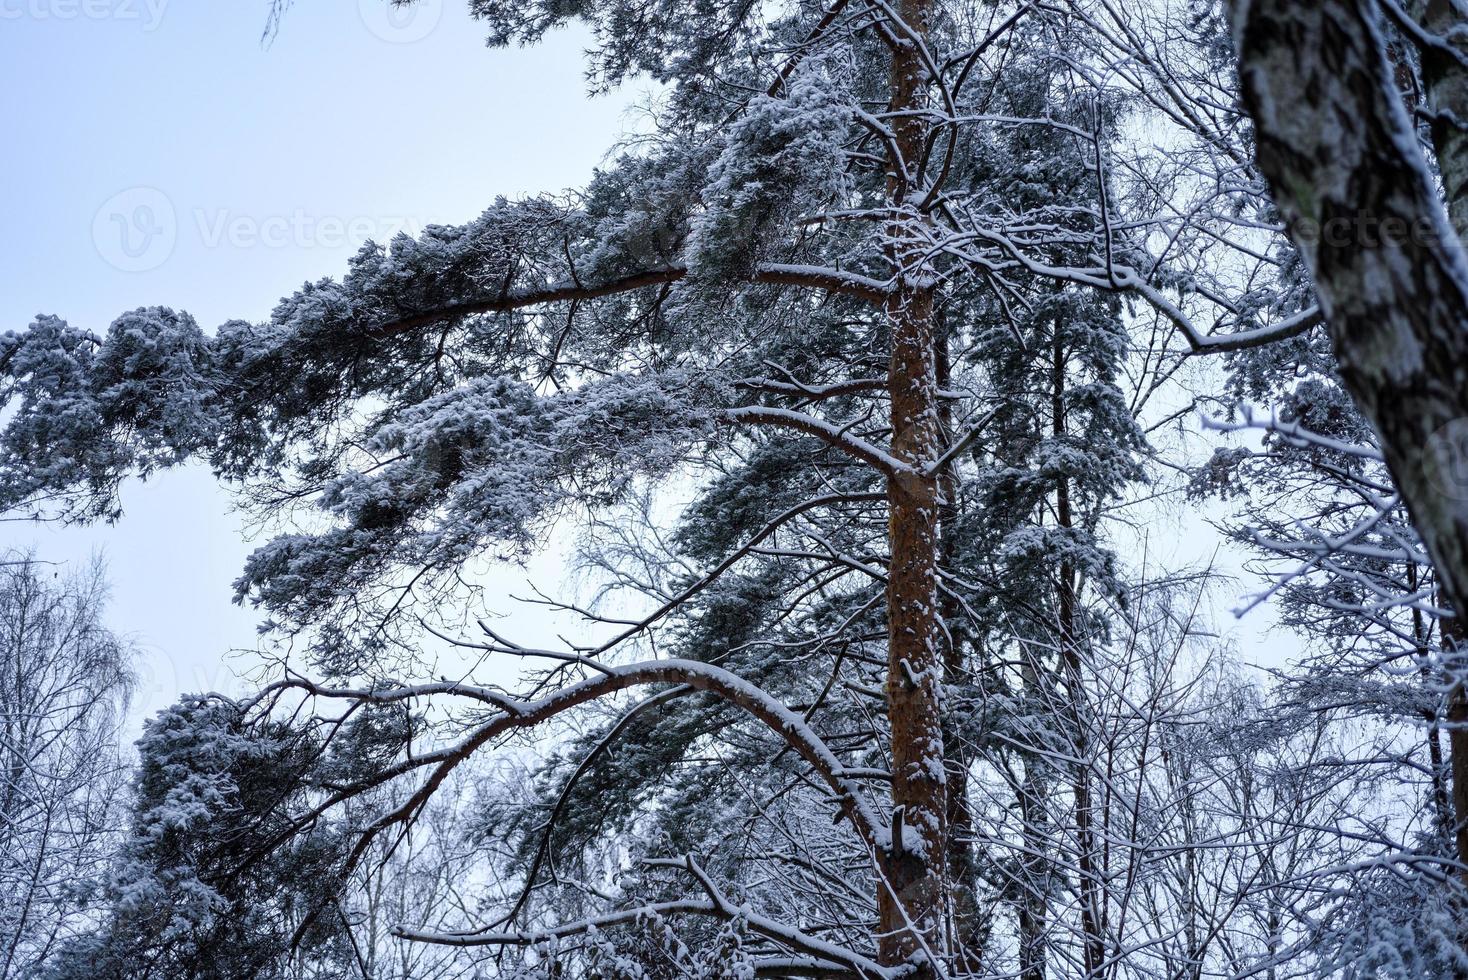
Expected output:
(64, 687)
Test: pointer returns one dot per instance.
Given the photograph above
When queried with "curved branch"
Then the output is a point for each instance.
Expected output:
(1120, 278)
(835, 960)
(839, 438)
(589, 655)
(757, 703)
(812, 277)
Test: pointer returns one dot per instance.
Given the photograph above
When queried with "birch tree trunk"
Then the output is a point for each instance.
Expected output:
(1445, 87)
(1342, 160)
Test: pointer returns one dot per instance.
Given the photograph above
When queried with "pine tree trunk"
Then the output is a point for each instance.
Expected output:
(914, 896)
(912, 902)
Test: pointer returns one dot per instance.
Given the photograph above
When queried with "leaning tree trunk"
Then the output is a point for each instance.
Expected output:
(1445, 89)
(1342, 160)
(912, 901)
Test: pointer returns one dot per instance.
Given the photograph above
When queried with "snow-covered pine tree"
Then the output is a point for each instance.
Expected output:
(1029, 560)
(1003, 488)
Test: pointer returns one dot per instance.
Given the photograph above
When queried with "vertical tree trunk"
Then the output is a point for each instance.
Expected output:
(1455, 646)
(1445, 86)
(1032, 918)
(968, 938)
(1422, 637)
(1088, 885)
(912, 902)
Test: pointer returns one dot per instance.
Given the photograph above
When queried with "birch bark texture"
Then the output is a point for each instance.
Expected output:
(1346, 170)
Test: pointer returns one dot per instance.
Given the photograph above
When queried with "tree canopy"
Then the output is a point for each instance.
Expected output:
(862, 375)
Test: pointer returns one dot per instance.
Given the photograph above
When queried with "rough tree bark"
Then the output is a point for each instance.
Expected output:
(1339, 152)
(1445, 88)
(1444, 59)
(912, 902)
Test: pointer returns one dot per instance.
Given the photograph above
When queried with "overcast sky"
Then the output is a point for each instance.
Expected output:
(157, 153)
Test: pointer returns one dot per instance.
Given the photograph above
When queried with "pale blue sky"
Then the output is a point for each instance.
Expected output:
(236, 171)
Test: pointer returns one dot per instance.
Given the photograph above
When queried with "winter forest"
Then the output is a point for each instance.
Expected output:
(871, 383)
